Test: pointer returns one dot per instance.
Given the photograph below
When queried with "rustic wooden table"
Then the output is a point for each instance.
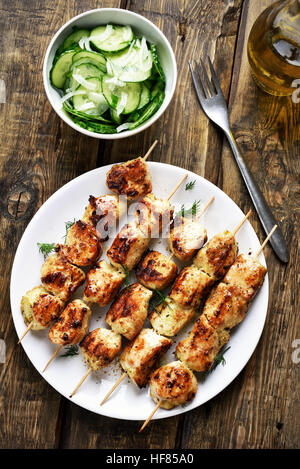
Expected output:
(39, 154)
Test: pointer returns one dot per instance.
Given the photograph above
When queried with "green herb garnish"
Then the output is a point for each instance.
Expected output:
(183, 212)
(45, 248)
(68, 225)
(162, 300)
(219, 359)
(190, 185)
(71, 350)
(127, 273)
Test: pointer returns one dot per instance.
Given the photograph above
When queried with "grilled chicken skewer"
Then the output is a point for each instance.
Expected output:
(131, 179)
(211, 331)
(70, 327)
(220, 252)
(129, 311)
(104, 280)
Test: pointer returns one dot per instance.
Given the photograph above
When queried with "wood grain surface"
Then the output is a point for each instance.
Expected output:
(39, 154)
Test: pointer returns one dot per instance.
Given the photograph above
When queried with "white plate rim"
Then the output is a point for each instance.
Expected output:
(162, 413)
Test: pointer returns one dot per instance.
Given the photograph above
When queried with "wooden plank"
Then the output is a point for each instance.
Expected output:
(194, 29)
(260, 408)
(38, 155)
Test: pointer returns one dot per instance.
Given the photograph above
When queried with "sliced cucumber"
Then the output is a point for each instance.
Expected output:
(115, 117)
(94, 127)
(92, 101)
(149, 110)
(60, 69)
(111, 38)
(156, 62)
(83, 115)
(133, 64)
(123, 97)
(80, 72)
(157, 88)
(92, 57)
(75, 37)
(145, 96)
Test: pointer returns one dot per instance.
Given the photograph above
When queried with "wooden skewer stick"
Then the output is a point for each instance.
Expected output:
(24, 333)
(265, 241)
(80, 382)
(123, 376)
(241, 222)
(150, 150)
(53, 356)
(177, 186)
(150, 416)
(205, 207)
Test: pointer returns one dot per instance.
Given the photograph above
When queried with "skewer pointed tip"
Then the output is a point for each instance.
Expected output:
(150, 416)
(24, 333)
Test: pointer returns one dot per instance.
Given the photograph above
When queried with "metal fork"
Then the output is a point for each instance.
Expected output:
(213, 104)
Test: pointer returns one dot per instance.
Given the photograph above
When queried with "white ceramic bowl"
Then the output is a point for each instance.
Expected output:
(93, 18)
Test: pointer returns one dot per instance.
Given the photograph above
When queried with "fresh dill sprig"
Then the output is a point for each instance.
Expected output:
(68, 225)
(219, 359)
(71, 350)
(162, 300)
(127, 273)
(183, 212)
(190, 185)
(46, 248)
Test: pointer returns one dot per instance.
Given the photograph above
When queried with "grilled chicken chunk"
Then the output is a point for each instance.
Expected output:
(226, 307)
(156, 271)
(217, 255)
(60, 277)
(103, 283)
(72, 325)
(172, 385)
(153, 214)
(186, 238)
(202, 345)
(100, 347)
(128, 312)
(128, 247)
(40, 308)
(82, 246)
(140, 356)
(247, 273)
(190, 287)
(131, 179)
(169, 317)
(103, 214)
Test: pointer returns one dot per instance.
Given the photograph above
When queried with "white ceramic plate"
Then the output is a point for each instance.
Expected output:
(128, 402)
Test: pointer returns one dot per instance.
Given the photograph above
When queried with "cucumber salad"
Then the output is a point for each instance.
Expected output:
(109, 79)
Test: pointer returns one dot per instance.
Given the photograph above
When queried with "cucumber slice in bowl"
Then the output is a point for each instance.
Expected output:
(90, 117)
(145, 96)
(80, 72)
(91, 100)
(133, 64)
(92, 57)
(111, 38)
(148, 111)
(75, 37)
(123, 97)
(60, 69)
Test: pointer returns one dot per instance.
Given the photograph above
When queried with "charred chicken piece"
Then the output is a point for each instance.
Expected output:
(156, 271)
(82, 246)
(187, 236)
(128, 312)
(172, 385)
(190, 287)
(103, 283)
(153, 214)
(72, 325)
(60, 277)
(131, 179)
(140, 356)
(100, 347)
(103, 214)
(169, 317)
(40, 308)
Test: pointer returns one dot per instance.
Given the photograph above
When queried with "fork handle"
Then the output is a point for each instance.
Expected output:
(265, 215)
